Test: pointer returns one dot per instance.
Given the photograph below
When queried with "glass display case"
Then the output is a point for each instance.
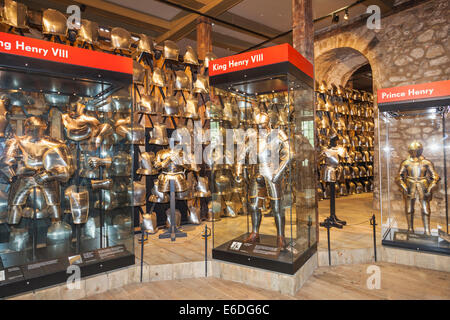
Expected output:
(66, 161)
(263, 175)
(414, 159)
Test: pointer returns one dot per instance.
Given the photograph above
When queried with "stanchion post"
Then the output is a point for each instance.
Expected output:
(374, 225)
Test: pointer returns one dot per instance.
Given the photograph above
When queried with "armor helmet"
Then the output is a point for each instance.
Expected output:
(171, 106)
(159, 78)
(147, 105)
(88, 31)
(159, 135)
(190, 57)
(54, 23)
(182, 81)
(145, 44)
(120, 38)
(138, 73)
(415, 149)
(190, 111)
(201, 85)
(323, 87)
(14, 14)
(208, 58)
(171, 50)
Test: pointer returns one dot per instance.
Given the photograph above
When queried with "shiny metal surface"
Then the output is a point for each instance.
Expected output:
(19, 239)
(190, 57)
(202, 189)
(157, 196)
(138, 72)
(201, 85)
(121, 165)
(3, 115)
(191, 109)
(54, 23)
(159, 135)
(147, 166)
(171, 50)
(14, 14)
(59, 232)
(79, 203)
(148, 105)
(88, 32)
(43, 163)
(134, 134)
(149, 224)
(177, 218)
(137, 194)
(333, 168)
(104, 184)
(159, 78)
(121, 227)
(171, 106)
(122, 104)
(120, 38)
(145, 44)
(78, 126)
(417, 178)
(213, 111)
(208, 58)
(182, 81)
(193, 214)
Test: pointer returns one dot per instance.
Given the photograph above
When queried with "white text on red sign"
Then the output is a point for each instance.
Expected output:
(234, 64)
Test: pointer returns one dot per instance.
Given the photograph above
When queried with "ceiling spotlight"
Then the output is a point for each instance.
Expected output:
(335, 18)
(346, 14)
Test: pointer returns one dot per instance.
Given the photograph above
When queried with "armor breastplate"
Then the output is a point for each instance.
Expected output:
(417, 170)
(332, 156)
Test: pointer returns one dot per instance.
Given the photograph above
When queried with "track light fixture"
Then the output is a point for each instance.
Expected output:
(346, 14)
(335, 18)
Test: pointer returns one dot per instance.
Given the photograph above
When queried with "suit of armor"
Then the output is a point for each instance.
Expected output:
(417, 178)
(333, 168)
(171, 163)
(44, 163)
(266, 177)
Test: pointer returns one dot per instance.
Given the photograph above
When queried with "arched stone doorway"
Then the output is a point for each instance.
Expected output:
(336, 61)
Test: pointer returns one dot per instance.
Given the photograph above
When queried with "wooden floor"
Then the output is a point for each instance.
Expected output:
(356, 210)
(330, 283)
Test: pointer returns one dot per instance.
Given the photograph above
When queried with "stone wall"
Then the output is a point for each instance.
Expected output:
(411, 47)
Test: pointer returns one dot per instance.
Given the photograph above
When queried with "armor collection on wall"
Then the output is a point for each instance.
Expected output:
(349, 115)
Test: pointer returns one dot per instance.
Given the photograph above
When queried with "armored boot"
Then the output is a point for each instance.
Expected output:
(426, 224)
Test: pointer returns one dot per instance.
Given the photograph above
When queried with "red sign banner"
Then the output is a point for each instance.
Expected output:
(45, 50)
(260, 58)
(415, 92)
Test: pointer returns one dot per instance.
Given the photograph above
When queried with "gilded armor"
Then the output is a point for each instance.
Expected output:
(417, 179)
